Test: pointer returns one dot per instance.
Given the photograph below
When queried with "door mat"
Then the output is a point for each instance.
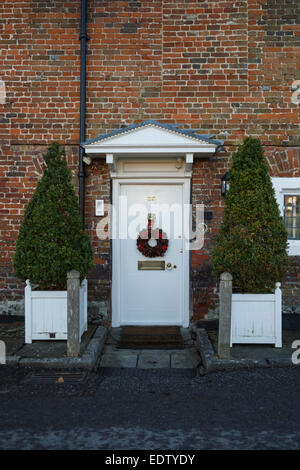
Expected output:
(151, 337)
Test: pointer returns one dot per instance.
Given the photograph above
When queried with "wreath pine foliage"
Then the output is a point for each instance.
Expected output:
(148, 234)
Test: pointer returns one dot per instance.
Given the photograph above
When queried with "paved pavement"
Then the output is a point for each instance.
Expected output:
(98, 346)
(13, 334)
(152, 409)
(260, 351)
(187, 358)
(50, 354)
(54, 353)
(246, 355)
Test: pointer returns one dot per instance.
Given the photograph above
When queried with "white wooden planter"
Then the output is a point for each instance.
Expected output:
(256, 318)
(46, 313)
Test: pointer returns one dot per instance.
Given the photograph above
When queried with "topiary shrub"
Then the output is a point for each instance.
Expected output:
(51, 239)
(252, 240)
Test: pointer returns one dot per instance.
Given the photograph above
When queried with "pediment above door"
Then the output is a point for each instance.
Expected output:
(151, 139)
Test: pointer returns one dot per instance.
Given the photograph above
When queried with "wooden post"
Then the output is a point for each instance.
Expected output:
(73, 342)
(225, 315)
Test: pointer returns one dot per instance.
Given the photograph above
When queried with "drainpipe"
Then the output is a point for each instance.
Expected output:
(81, 173)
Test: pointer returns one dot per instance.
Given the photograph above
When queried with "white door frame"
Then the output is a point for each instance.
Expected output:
(116, 258)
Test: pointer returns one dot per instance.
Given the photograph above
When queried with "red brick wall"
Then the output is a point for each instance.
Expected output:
(225, 67)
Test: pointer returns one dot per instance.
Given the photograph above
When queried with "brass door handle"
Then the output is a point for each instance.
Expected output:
(169, 266)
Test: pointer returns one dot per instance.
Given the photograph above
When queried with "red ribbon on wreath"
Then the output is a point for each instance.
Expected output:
(148, 234)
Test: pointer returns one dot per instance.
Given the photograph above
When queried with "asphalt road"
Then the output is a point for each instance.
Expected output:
(247, 409)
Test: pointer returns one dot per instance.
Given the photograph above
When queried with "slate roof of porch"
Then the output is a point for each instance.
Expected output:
(171, 127)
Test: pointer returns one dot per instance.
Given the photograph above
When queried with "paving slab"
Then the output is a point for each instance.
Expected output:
(122, 359)
(186, 359)
(113, 349)
(154, 359)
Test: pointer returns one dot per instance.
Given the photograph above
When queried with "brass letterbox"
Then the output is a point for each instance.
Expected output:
(151, 265)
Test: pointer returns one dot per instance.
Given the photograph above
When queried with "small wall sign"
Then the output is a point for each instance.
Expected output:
(99, 207)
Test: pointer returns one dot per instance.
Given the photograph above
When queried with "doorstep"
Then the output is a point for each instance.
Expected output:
(51, 354)
(244, 355)
(186, 358)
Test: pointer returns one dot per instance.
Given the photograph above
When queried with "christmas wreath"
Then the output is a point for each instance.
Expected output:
(148, 234)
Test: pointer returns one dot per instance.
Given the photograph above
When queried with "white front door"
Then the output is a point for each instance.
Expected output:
(151, 297)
